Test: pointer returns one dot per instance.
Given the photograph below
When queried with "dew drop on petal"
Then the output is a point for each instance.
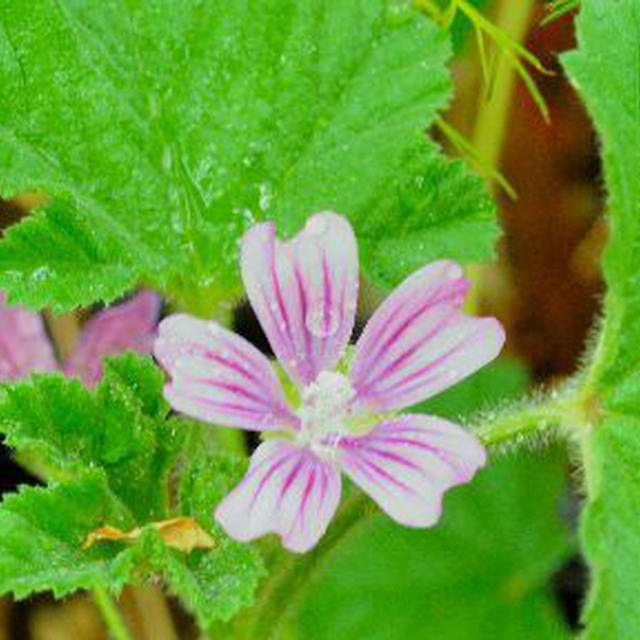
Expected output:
(181, 363)
(321, 324)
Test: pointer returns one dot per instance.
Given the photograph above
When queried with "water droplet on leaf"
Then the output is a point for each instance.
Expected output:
(265, 196)
(248, 216)
(41, 274)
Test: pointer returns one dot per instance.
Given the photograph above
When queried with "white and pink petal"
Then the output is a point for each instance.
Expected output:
(24, 344)
(304, 291)
(219, 377)
(130, 326)
(406, 464)
(419, 342)
(288, 491)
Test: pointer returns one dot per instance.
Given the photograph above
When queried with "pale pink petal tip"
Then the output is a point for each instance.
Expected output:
(287, 491)
(304, 291)
(419, 342)
(24, 344)
(406, 464)
(129, 326)
(219, 377)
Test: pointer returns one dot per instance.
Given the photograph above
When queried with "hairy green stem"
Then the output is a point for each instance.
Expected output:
(517, 424)
(110, 614)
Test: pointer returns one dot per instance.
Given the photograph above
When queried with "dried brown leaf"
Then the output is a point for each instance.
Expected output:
(182, 533)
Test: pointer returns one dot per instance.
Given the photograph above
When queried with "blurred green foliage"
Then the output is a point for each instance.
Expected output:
(163, 130)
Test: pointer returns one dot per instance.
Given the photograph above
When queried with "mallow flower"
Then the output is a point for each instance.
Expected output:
(344, 415)
(25, 346)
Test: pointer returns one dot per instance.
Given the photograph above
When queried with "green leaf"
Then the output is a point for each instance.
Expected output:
(161, 131)
(483, 572)
(215, 584)
(75, 266)
(120, 428)
(114, 448)
(42, 531)
(443, 211)
(607, 77)
(214, 590)
(41, 549)
(206, 480)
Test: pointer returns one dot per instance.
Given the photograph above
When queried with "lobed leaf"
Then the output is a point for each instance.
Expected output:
(121, 428)
(205, 481)
(485, 570)
(42, 531)
(112, 450)
(162, 130)
(445, 212)
(607, 77)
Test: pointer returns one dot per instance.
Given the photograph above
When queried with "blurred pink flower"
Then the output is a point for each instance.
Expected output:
(418, 343)
(26, 348)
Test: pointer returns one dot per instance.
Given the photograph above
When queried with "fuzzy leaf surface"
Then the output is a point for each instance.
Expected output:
(162, 130)
(111, 451)
(42, 535)
(120, 428)
(608, 78)
(206, 480)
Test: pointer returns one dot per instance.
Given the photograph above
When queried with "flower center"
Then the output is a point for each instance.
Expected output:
(325, 407)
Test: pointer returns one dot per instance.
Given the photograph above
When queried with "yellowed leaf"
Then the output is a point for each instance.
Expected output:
(182, 533)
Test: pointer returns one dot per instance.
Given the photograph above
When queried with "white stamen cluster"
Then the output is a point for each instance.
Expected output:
(325, 407)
